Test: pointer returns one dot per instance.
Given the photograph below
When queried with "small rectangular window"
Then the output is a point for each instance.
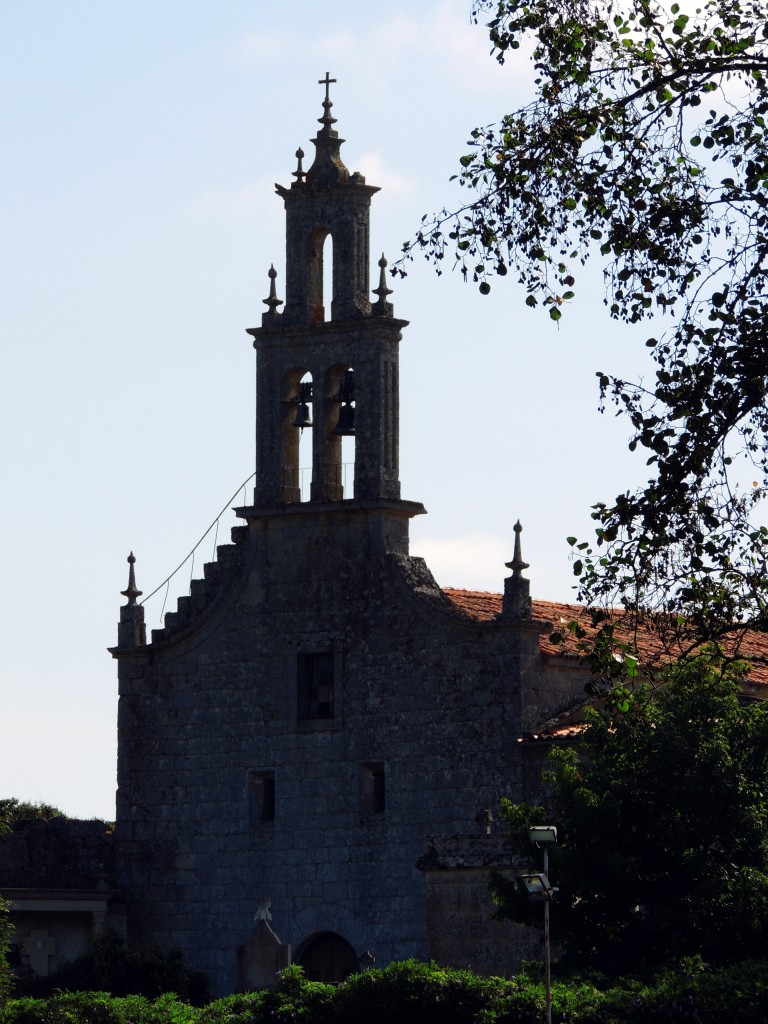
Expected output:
(374, 788)
(315, 686)
(261, 798)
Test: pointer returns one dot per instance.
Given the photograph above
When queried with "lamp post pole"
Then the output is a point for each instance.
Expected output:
(538, 888)
(547, 972)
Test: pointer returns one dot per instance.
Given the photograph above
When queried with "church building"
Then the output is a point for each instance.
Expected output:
(311, 751)
(319, 731)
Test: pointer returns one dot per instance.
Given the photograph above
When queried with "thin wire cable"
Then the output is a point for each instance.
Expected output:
(167, 589)
(194, 549)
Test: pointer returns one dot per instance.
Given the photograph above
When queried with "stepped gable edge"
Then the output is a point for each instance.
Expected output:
(206, 592)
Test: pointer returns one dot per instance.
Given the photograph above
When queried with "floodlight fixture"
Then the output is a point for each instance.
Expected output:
(537, 886)
(540, 834)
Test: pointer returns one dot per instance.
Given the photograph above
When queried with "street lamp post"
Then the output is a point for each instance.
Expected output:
(538, 888)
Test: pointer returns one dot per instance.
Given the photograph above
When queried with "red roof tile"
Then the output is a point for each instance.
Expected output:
(651, 647)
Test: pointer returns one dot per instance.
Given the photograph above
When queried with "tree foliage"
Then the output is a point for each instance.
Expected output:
(662, 825)
(12, 809)
(645, 148)
(6, 931)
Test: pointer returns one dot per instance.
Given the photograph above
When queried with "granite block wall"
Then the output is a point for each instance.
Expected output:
(430, 700)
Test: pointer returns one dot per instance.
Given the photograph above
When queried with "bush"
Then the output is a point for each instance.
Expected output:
(411, 992)
(710, 997)
(110, 966)
(97, 1008)
(294, 998)
(416, 993)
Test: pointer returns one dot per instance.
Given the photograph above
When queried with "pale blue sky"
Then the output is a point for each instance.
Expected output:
(141, 144)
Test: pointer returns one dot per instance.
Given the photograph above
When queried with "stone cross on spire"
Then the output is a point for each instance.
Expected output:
(328, 168)
(327, 120)
(327, 82)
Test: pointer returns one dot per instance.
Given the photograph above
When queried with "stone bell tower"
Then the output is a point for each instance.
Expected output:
(342, 361)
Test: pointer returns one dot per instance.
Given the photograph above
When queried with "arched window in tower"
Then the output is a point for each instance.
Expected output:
(297, 435)
(320, 284)
(345, 429)
(340, 430)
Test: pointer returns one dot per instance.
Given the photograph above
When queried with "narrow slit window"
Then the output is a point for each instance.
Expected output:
(315, 686)
(261, 798)
(373, 788)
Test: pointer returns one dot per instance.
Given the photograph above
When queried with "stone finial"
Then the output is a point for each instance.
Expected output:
(262, 909)
(516, 603)
(131, 631)
(299, 174)
(131, 592)
(517, 564)
(382, 307)
(327, 168)
(272, 301)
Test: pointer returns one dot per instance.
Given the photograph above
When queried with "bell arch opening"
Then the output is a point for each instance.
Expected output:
(297, 461)
(327, 957)
(320, 282)
(340, 430)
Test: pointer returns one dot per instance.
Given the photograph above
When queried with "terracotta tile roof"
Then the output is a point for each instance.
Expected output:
(477, 604)
(652, 649)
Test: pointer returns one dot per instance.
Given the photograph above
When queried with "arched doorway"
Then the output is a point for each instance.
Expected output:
(327, 957)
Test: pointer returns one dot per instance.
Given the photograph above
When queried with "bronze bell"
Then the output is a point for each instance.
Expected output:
(304, 397)
(346, 425)
(303, 416)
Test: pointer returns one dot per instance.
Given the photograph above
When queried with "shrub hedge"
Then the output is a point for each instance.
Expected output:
(111, 966)
(416, 993)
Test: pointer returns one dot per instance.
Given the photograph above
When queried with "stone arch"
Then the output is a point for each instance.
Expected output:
(296, 448)
(327, 957)
(319, 296)
(340, 451)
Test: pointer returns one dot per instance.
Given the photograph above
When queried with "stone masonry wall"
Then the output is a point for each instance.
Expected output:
(461, 930)
(61, 853)
(433, 699)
